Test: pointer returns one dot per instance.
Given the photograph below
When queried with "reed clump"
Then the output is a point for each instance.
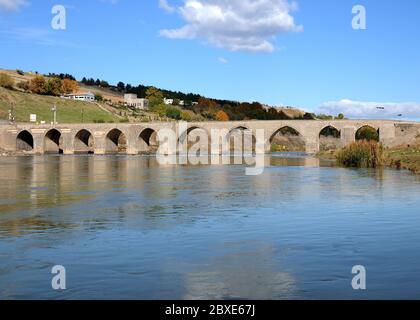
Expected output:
(361, 154)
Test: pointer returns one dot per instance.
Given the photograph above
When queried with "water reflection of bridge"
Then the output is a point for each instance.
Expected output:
(142, 138)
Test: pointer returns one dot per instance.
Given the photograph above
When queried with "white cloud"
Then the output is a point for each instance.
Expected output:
(163, 4)
(372, 110)
(12, 5)
(222, 60)
(235, 25)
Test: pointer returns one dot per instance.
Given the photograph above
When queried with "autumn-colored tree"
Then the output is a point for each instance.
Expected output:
(222, 116)
(207, 103)
(38, 85)
(6, 81)
(54, 87)
(70, 86)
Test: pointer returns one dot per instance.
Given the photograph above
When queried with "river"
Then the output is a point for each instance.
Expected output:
(128, 228)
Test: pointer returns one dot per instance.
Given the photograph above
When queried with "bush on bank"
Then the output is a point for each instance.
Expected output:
(361, 154)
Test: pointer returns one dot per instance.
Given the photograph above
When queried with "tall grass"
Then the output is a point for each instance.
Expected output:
(361, 154)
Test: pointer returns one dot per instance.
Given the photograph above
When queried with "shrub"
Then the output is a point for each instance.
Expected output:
(361, 154)
(20, 72)
(173, 112)
(24, 85)
(6, 81)
(187, 115)
(99, 97)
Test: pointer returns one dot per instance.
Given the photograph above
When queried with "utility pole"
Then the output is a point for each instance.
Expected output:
(83, 113)
(54, 110)
(12, 112)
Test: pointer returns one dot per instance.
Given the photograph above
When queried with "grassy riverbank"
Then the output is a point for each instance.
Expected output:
(403, 157)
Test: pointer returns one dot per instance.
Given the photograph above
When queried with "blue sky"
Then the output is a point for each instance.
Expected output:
(304, 54)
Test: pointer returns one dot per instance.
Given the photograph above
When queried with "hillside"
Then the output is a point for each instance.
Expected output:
(110, 106)
(68, 111)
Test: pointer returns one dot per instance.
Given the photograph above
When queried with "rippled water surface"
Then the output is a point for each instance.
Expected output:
(125, 227)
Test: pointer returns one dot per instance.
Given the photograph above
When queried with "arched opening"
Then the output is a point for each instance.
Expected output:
(24, 141)
(53, 142)
(367, 133)
(287, 139)
(148, 141)
(196, 137)
(83, 142)
(116, 142)
(329, 139)
(241, 140)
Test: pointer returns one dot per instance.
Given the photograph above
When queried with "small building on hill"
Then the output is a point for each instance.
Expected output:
(88, 96)
(132, 100)
(168, 101)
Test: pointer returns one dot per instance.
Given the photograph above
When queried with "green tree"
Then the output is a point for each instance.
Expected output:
(154, 96)
(104, 84)
(367, 133)
(121, 86)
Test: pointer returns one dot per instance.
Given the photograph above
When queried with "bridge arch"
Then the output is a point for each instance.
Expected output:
(148, 141)
(287, 138)
(202, 139)
(241, 139)
(24, 141)
(329, 138)
(53, 142)
(369, 133)
(116, 142)
(84, 142)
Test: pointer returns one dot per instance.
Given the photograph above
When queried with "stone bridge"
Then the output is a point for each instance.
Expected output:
(141, 137)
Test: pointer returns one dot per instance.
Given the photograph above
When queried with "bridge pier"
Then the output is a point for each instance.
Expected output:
(39, 145)
(99, 147)
(348, 135)
(67, 142)
(387, 134)
(312, 145)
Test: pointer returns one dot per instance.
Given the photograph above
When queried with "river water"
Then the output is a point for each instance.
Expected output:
(128, 228)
